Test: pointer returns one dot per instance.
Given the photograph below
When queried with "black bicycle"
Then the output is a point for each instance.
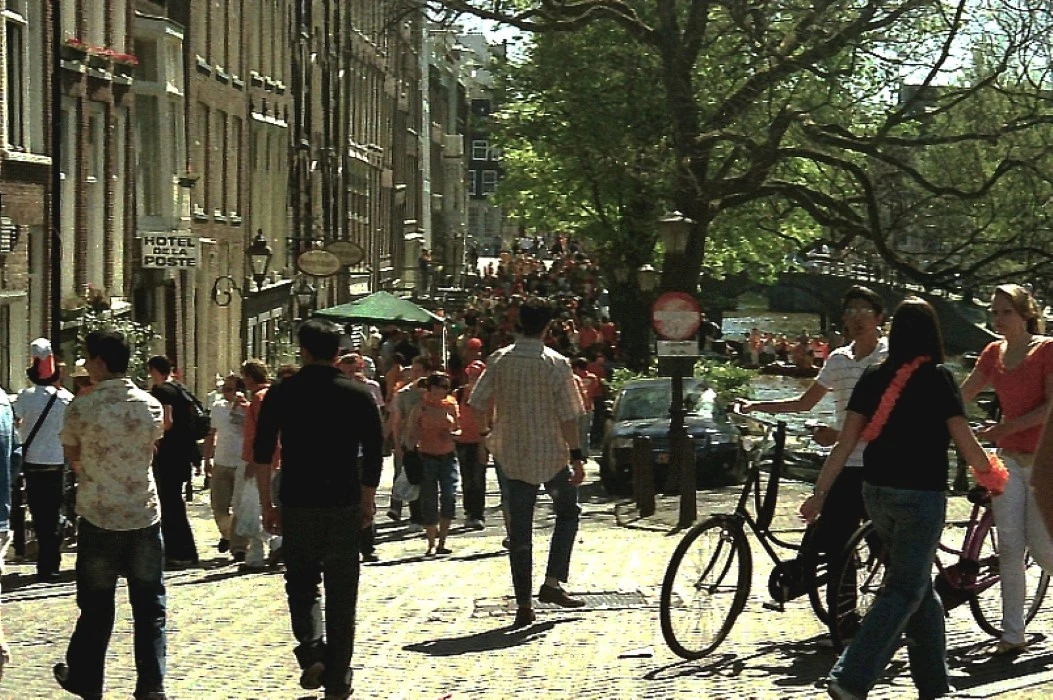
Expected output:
(708, 579)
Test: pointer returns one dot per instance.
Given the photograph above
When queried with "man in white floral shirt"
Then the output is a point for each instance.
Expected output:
(111, 433)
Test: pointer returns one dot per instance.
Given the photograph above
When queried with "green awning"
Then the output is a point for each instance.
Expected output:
(379, 308)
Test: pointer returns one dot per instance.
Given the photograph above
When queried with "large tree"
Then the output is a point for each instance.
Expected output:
(854, 112)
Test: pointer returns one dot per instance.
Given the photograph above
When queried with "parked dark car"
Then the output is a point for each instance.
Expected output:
(641, 407)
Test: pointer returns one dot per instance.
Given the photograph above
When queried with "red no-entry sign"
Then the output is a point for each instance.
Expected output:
(676, 316)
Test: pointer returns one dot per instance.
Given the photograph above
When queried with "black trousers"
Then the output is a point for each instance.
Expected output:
(321, 550)
(44, 483)
(175, 527)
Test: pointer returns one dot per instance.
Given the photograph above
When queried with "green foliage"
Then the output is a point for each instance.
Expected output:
(139, 336)
(728, 380)
(911, 130)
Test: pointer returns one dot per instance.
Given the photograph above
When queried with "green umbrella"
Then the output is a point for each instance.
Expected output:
(378, 308)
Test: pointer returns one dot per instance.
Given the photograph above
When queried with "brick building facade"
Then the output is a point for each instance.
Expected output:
(310, 122)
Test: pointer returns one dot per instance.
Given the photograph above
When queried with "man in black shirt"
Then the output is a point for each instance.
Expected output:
(322, 419)
(175, 454)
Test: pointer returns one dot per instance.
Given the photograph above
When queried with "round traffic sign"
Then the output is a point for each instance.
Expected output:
(676, 316)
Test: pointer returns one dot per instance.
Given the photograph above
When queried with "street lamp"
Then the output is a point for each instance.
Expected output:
(647, 278)
(304, 293)
(259, 256)
(675, 232)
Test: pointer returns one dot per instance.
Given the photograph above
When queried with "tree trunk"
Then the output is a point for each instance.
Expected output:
(631, 310)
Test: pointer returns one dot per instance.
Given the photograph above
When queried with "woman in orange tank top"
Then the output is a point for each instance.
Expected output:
(1020, 369)
(436, 422)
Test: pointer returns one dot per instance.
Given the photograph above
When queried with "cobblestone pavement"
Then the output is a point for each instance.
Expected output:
(439, 628)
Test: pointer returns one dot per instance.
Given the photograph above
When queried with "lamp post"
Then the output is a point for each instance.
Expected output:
(675, 232)
(304, 293)
(259, 255)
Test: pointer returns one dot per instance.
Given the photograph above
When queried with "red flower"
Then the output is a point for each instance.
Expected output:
(889, 398)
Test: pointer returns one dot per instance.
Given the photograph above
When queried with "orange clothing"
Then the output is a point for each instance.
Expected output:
(587, 337)
(469, 428)
(252, 418)
(1020, 390)
(590, 388)
(435, 424)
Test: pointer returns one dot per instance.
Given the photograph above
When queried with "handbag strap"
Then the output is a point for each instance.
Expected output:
(39, 423)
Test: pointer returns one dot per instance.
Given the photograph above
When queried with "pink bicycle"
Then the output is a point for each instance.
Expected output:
(968, 574)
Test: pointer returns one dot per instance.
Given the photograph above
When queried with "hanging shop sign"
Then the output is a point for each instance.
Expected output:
(164, 250)
(318, 263)
(348, 253)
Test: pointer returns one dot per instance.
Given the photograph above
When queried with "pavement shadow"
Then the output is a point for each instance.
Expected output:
(972, 665)
(480, 642)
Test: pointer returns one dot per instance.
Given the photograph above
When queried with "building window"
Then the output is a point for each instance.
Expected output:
(480, 149)
(146, 114)
(15, 88)
(489, 181)
(494, 153)
(472, 189)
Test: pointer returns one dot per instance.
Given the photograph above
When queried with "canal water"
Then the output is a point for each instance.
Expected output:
(737, 325)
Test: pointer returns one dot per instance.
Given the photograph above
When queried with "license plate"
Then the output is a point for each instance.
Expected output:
(662, 458)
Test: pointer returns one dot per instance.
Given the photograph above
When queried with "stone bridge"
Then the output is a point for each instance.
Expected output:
(962, 322)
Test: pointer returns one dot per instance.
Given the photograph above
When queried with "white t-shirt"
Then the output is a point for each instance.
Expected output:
(30, 403)
(839, 374)
(229, 423)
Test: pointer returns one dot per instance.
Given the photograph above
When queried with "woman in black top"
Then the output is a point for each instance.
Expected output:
(907, 409)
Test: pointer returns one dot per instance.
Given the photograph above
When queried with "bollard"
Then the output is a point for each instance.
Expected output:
(643, 475)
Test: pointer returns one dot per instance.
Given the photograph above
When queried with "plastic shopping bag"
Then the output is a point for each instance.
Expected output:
(249, 514)
(403, 490)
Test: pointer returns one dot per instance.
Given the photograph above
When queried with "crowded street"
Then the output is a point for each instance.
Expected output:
(440, 628)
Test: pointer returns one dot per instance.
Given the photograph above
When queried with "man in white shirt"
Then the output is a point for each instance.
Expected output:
(43, 462)
(862, 315)
(222, 457)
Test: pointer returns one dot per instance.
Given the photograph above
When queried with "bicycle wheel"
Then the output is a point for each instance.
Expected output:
(816, 567)
(705, 587)
(853, 587)
(985, 600)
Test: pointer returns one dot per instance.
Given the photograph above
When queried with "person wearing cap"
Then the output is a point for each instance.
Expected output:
(44, 460)
(471, 453)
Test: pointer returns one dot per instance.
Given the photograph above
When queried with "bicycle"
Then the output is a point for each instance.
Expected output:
(970, 579)
(710, 573)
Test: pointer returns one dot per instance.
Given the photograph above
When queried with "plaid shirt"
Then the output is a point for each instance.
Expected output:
(532, 390)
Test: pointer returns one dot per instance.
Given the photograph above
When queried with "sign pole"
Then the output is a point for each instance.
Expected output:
(676, 317)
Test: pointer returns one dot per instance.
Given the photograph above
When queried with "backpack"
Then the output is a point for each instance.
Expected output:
(199, 424)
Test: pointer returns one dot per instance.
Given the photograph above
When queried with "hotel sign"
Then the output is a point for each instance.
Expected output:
(162, 251)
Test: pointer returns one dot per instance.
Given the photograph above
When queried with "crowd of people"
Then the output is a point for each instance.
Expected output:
(518, 385)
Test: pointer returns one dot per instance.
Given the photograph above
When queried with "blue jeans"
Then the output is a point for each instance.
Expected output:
(102, 556)
(321, 541)
(910, 523)
(438, 488)
(520, 499)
